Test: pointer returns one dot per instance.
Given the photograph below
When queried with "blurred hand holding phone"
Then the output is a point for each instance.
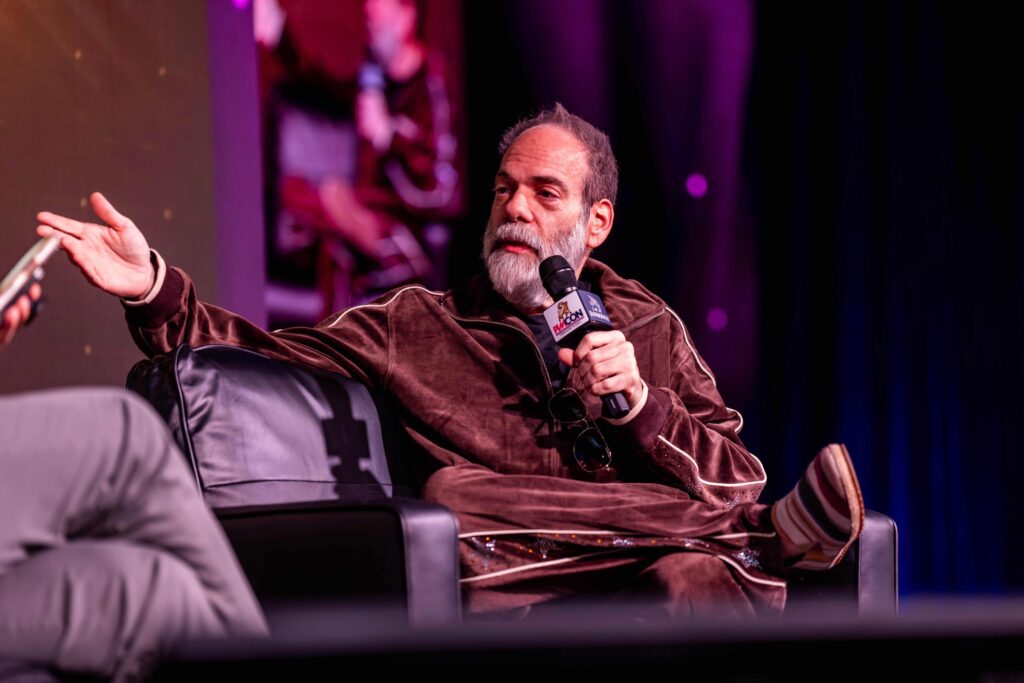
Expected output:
(25, 273)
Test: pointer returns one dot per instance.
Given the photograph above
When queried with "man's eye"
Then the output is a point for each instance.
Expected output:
(501, 190)
(547, 194)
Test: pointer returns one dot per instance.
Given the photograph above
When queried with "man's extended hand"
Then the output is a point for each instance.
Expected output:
(114, 257)
(18, 314)
(606, 364)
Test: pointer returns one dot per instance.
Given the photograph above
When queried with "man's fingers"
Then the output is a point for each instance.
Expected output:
(613, 350)
(605, 369)
(610, 385)
(67, 243)
(107, 213)
(46, 231)
(609, 368)
(596, 340)
(80, 256)
(604, 337)
(61, 223)
(565, 355)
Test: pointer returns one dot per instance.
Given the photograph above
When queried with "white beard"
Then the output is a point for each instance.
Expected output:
(516, 276)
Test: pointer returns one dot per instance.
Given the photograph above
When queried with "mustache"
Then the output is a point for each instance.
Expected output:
(514, 232)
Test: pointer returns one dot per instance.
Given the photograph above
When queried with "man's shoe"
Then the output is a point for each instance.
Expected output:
(823, 515)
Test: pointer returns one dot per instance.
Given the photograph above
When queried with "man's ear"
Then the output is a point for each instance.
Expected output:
(602, 215)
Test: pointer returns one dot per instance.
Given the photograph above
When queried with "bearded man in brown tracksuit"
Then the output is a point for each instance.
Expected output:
(477, 380)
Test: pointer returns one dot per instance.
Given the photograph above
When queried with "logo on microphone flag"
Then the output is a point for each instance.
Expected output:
(567, 314)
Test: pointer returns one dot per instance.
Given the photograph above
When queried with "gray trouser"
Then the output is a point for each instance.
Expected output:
(108, 556)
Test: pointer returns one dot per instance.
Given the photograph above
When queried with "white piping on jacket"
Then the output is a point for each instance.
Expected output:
(537, 565)
(566, 532)
(381, 305)
(566, 560)
(696, 358)
(740, 534)
(763, 479)
(589, 532)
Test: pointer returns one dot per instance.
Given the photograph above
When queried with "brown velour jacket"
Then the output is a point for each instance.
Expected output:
(471, 385)
(471, 389)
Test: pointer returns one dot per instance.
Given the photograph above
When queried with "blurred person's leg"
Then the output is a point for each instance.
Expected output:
(99, 464)
(106, 607)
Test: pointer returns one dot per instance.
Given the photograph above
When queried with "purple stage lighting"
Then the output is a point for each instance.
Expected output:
(697, 185)
(717, 319)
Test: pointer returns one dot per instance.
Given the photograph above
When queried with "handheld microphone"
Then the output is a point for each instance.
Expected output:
(573, 314)
(26, 272)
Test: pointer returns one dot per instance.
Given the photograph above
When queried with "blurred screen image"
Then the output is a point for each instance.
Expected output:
(362, 151)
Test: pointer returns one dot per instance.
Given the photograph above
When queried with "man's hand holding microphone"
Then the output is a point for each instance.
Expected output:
(603, 358)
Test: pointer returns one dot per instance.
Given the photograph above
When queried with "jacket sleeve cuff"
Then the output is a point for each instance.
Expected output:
(634, 411)
(644, 427)
(162, 302)
(159, 273)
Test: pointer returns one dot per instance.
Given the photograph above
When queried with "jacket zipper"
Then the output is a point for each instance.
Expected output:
(540, 357)
(529, 339)
(555, 457)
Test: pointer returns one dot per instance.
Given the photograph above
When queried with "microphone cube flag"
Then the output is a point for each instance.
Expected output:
(575, 314)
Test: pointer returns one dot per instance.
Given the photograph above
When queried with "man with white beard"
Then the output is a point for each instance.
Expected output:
(554, 502)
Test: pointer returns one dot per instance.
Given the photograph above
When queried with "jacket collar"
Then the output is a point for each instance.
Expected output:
(627, 301)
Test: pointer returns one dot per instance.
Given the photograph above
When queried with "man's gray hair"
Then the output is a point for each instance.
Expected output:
(603, 178)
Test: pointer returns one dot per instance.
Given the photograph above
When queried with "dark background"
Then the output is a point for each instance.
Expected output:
(876, 217)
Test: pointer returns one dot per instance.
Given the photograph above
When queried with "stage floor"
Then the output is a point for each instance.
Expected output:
(949, 639)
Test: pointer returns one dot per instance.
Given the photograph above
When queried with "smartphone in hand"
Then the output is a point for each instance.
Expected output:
(26, 272)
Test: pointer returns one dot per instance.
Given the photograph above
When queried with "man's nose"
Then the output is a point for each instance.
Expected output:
(518, 207)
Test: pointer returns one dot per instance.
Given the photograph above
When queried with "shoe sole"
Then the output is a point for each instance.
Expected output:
(854, 498)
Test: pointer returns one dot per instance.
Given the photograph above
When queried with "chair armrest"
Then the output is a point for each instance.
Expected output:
(863, 583)
(878, 572)
(379, 550)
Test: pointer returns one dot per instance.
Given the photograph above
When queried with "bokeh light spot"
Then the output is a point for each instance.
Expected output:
(717, 319)
(697, 185)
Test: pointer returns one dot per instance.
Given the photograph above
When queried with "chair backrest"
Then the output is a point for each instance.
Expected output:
(257, 431)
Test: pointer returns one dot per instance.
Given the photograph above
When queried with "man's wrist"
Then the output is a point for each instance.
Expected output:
(634, 411)
(159, 274)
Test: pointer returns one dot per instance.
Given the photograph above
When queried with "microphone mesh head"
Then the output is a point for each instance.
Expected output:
(557, 276)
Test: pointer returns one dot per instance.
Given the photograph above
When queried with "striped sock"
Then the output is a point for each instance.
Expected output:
(822, 516)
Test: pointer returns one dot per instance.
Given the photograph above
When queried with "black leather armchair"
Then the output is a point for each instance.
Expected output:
(305, 472)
